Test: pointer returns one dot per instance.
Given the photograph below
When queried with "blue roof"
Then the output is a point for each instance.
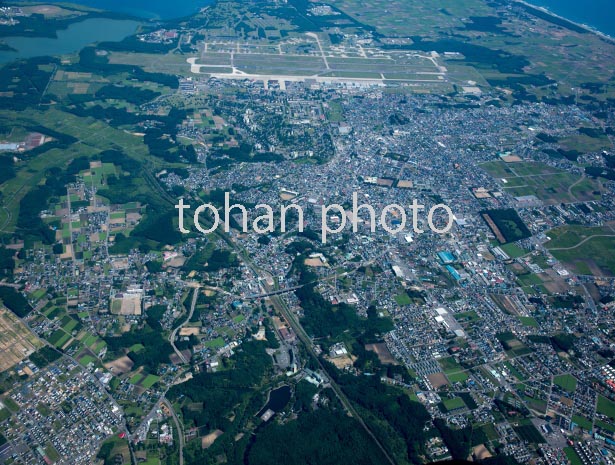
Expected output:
(453, 272)
(446, 257)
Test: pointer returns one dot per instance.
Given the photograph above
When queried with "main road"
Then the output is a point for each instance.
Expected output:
(195, 296)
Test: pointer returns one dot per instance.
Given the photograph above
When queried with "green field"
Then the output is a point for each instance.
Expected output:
(582, 422)
(572, 455)
(585, 250)
(149, 381)
(86, 360)
(457, 377)
(136, 348)
(549, 184)
(453, 404)
(606, 407)
(59, 338)
(215, 343)
(403, 299)
(566, 382)
(528, 321)
(513, 250)
(449, 364)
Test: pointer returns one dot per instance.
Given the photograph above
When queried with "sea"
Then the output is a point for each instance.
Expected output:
(88, 31)
(69, 40)
(148, 9)
(599, 14)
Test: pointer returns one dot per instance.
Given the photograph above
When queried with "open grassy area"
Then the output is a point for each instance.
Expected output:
(566, 382)
(584, 250)
(528, 321)
(606, 407)
(214, 343)
(549, 184)
(403, 299)
(457, 377)
(453, 404)
(583, 422)
(149, 381)
(513, 250)
(572, 455)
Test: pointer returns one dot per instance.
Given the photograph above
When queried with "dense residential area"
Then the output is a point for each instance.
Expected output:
(456, 303)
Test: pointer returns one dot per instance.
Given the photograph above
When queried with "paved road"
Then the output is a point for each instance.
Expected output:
(180, 431)
(195, 296)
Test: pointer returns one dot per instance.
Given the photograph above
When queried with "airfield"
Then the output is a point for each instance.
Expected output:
(308, 59)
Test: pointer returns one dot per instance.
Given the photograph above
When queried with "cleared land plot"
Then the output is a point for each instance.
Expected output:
(383, 353)
(207, 441)
(16, 341)
(549, 184)
(120, 366)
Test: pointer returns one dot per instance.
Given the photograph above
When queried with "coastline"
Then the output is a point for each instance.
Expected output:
(592, 30)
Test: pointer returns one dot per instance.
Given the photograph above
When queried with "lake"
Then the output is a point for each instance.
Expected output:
(150, 9)
(69, 40)
(278, 398)
(599, 14)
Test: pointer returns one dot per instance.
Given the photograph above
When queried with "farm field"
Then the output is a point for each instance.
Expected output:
(16, 341)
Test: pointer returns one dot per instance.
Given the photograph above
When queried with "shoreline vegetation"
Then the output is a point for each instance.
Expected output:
(565, 22)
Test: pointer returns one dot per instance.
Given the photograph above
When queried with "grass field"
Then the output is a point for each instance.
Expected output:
(605, 426)
(453, 404)
(86, 360)
(572, 455)
(149, 381)
(584, 250)
(549, 184)
(457, 377)
(528, 321)
(566, 382)
(513, 250)
(403, 299)
(528, 432)
(606, 407)
(215, 343)
(582, 422)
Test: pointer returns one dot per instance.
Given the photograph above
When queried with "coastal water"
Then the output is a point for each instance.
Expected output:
(150, 9)
(598, 14)
(69, 40)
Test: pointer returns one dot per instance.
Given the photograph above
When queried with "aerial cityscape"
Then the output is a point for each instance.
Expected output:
(306, 232)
